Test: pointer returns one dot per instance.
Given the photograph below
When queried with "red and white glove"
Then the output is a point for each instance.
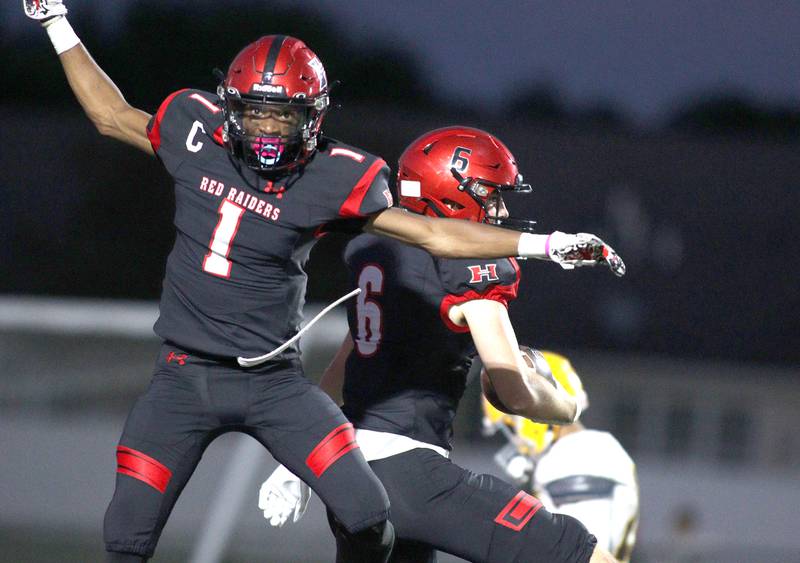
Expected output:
(583, 249)
(570, 251)
(52, 15)
(44, 9)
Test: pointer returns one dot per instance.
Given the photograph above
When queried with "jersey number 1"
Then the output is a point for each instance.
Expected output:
(368, 311)
(216, 261)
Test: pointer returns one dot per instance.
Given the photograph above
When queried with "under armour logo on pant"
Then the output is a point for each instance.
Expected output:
(180, 358)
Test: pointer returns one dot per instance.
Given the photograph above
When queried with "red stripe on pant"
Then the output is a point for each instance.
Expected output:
(518, 511)
(135, 464)
(333, 446)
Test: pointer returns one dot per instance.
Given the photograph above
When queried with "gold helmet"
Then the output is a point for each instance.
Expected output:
(533, 438)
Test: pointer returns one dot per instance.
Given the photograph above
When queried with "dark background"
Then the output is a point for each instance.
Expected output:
(702, 202)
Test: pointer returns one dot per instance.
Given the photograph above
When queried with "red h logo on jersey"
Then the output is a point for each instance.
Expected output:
(490, 271)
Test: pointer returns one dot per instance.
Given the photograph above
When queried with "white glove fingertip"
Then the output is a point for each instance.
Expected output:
(279, 518)
(264, 496)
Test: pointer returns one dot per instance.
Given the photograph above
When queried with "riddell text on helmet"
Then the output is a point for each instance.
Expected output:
(240, 198)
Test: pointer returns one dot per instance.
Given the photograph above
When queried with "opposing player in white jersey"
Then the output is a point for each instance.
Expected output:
(573, 470)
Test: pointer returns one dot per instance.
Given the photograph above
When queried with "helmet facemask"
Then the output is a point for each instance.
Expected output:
(488, 196)
(271, 135)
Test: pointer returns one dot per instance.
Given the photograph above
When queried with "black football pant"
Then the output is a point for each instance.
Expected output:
(437, 505)
(192, 400)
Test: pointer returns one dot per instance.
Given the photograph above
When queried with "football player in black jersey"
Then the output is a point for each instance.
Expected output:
(255, 184)
(402, 369)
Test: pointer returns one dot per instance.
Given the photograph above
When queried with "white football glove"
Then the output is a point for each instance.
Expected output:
(282, 494)
(43, 9)
(583, 249)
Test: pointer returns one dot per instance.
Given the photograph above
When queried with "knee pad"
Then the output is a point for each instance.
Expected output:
(412, 552)
(561, 538)
(371, 545)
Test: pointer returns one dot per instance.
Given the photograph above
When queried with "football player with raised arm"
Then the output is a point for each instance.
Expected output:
(572, 469)
(402, 369)
(255, 184)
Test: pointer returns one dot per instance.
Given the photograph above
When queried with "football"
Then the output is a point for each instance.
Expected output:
(491, 394)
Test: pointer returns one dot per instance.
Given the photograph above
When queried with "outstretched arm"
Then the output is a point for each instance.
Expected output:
(454, 238)
(448, 238)
(102, 101)
(518, 386)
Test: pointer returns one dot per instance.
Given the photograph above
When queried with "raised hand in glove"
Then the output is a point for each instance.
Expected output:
(52, 15)
(43, 9)
(583, 249)
(282, 494)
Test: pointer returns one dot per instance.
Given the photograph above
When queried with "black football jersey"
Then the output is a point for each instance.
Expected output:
(234, 282)
(408, 369)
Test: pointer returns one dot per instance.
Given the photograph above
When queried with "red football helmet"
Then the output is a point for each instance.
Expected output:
(459, 172)
(276, 76)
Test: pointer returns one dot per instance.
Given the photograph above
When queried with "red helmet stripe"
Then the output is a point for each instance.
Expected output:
(272, 58)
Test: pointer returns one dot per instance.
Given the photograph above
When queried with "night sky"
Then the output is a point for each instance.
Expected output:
(643, 57)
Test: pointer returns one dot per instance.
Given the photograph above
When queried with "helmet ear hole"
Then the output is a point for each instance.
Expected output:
(452, 205)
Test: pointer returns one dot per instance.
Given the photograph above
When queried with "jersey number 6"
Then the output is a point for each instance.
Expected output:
(368, 311)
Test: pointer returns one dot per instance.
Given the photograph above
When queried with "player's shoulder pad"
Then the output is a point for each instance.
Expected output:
(478, 278)
(358, 179)
(182, 110)
(346, 156)
(578, 488)
(193, 103)
(589, 452)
